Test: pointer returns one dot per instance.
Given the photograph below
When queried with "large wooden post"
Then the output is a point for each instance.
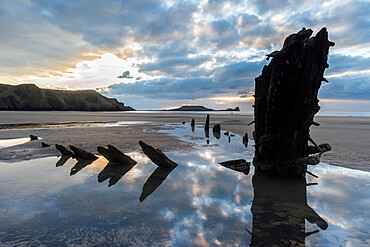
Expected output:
(286, 102)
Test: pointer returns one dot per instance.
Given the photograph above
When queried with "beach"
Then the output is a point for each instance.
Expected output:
(348, 136)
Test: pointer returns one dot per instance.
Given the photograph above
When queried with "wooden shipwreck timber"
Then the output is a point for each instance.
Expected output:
(286, 103)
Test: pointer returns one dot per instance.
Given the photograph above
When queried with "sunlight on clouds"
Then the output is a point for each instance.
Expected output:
(97, 73)
(348, 73)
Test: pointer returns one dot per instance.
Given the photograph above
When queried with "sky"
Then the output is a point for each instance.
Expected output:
(155, 54)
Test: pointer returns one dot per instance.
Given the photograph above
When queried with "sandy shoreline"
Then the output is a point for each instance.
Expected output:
(348, 136)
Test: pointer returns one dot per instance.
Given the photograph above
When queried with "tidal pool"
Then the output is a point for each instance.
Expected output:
(4, 143)
(55, 202)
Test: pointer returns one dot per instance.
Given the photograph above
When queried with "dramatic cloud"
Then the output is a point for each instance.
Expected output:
(193, 50)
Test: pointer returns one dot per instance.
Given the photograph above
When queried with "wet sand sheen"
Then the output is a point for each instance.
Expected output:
(349, 136)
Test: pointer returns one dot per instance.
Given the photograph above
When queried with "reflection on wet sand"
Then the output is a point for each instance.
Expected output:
(153, 182)
(81, 163)
(206, 132)
(114, 171)
(279, 211)
(63, 159)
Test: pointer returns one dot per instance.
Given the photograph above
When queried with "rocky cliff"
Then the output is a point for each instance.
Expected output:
(29, 97)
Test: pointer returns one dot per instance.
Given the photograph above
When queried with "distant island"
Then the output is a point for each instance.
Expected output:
(201, 108)
(29, 97)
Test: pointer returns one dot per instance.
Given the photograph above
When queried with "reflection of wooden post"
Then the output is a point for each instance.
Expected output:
(279, 211)
(286, 101)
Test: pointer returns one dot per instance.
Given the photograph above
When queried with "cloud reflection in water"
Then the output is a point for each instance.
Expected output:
(198, 203)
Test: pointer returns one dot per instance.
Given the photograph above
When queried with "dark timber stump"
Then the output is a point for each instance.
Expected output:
(286, 103)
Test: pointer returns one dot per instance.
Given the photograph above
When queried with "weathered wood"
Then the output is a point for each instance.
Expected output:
(217, 135)
(206, 126)
(325, 147)
(80, 153)
(112, 154)
(239, 165)
(33, 138)
(286, 102)
(217, 128)
(63, 150)
(44, 145)
(156, 155)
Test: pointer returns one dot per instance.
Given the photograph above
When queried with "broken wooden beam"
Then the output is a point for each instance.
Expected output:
(112, 154)
(156, 156)
(63, 150)
(80, 153)
(325, 147)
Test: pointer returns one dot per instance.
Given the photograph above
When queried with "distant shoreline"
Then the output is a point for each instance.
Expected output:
(246, 113)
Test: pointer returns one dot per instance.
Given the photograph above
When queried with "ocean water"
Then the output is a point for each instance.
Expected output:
(56, 202)
(320, 113)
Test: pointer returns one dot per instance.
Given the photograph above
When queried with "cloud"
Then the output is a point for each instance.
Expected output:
(347, 87)
(208, 47)
(223, 79)
(125, 74)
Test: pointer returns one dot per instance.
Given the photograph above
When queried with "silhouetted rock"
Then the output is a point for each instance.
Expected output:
(217, 128)
(156, 155)
(112, 154)
(240, 165)
(183, 122)
(44, 145)
(33, 138)
(80, 153)
(28, 97)
(227, 133)
(63, 150)
(286, 102)
(193, 125)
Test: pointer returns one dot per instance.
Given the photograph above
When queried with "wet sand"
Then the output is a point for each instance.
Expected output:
(348, 136)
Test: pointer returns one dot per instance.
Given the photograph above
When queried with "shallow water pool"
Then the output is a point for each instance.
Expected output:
(53, 202)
